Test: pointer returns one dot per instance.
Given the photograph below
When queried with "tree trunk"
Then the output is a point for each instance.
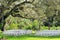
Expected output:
(48, 27)
(3, 23)
(2, 18)
(56, 28)
(39, 27)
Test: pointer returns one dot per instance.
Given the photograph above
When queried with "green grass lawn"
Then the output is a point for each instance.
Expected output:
(28, 37)
(33, 37)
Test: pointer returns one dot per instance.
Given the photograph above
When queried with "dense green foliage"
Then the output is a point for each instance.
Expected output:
(33, 14)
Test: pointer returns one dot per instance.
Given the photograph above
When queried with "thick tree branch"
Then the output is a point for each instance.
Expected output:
(10, 13)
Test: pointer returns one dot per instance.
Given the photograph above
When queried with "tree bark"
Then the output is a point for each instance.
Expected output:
(48, 27)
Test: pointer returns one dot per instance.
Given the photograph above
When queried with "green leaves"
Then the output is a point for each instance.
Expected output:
(39, 10)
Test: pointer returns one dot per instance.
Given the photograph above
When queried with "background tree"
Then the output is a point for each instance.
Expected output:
(45, 12)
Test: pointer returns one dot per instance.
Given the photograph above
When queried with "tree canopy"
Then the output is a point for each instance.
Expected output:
(45, 12)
